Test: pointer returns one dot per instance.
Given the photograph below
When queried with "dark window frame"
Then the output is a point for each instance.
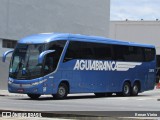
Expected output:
(92, 51)
(117, 52)
(52, 59)
(6, 43)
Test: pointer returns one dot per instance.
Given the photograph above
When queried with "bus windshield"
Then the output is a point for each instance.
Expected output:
(24, 64)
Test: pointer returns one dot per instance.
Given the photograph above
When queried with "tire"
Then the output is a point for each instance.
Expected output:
(34, 96)
(62, 91)
(126, 90)
(135, 89)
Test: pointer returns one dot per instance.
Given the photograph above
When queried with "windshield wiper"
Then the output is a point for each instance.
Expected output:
(27, 67)
(19, 66)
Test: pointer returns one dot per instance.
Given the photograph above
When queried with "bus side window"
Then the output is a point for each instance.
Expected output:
(149, 54)
(103, 52)
(71, 52)
(133, 54)
(69, 55)
(86, 51)
(119, 52)
(49, 66)
(52, 59)
(91, 51)
(78, 50)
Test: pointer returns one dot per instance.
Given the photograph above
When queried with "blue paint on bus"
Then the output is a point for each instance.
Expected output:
(81, 74)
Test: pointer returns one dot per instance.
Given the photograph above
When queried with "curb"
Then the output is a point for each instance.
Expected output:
(6, 93)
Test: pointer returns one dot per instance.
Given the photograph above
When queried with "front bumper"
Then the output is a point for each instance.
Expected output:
(35, 86)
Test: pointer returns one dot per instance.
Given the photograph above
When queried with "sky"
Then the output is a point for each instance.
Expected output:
(135, 9)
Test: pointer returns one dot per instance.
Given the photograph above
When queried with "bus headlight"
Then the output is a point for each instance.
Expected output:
(10, 81)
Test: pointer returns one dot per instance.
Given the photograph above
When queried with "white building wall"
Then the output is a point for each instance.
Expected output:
(137, 31)
(2, 50)
(3, 68)
(20, 18)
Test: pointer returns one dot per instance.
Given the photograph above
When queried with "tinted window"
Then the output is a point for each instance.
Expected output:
(52, 59)
(133, 54)
(119, 52)
(85, 50)
(79, 50)
(102, 51)
(149, 54)
(98, 51)
(128, 53)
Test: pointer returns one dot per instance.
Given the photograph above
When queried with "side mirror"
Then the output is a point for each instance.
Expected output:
(43, 54)
(5, 55)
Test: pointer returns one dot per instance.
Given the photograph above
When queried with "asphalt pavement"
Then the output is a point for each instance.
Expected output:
(84, 105)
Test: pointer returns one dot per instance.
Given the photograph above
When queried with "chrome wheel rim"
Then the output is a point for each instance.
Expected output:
(126, 89)
(135, 88)
(62, 91)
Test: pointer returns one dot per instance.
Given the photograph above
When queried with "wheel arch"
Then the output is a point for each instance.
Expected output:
(127, 80)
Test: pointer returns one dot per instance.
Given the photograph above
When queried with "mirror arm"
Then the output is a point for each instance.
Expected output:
(42, 55)
(5, 54)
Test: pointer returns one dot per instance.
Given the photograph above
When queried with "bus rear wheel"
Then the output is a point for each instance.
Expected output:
(126, 90)
(62, 91)
(135, 89)
(34, 96)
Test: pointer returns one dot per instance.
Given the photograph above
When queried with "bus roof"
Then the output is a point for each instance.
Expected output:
(49, 37)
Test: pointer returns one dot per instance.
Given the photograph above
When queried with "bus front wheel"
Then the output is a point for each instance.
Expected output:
(34, 96)
(62, 91)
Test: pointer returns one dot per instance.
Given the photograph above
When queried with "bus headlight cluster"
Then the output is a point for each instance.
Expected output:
(10, 81)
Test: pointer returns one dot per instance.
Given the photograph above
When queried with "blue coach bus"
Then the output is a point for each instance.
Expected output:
(62, 64)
